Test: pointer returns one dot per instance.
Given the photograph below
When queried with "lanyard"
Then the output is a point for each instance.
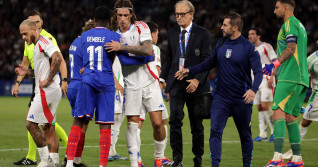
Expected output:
(186, 42)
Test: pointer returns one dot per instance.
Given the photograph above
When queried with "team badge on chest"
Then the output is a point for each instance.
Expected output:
(132, 37)
(197, 52)
(228, 53)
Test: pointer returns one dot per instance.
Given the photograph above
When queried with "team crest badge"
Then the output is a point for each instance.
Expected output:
(132, 37)
(197, 52)
(228, 53)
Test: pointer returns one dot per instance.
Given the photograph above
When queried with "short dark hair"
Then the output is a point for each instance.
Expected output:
(289, 2)
(34, 13)
(102, 13)
(235, 19)
(257, 30)
(152, 26)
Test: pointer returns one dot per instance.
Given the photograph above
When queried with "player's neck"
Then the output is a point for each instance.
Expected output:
(125, 28)
(101, 24)
(235, 35)
(288, 15)
(37, 36)
(257, 43)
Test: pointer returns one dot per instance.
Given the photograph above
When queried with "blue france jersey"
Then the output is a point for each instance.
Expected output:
(76, 59)
(97, 62)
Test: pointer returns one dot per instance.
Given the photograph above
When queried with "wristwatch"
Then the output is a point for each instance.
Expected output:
(18, 82)
(64, 79)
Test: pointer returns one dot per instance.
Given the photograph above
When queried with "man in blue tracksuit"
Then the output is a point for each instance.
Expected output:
(234, 56)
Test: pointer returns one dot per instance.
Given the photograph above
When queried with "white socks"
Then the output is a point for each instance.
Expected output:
(44, 154)
(262, 123)
(55, 157)
(115, 130)
(131, 136)
(160, 147)
(296, 158)
(269, 120)
(277, 156)
(303, 131)
(138, 144)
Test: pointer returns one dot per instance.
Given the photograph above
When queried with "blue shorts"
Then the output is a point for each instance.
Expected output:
(72, 93)
(89, 100)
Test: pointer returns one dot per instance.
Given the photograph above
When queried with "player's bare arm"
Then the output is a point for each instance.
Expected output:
(22, 71)
(55, 65)
(118, 87)
(288, 52)
(63, 71)
(15, 89)
(144, 49)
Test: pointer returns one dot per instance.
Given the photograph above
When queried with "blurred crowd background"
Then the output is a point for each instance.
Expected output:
(64, 19)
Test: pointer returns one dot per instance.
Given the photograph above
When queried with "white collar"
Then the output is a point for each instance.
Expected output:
(188, 28)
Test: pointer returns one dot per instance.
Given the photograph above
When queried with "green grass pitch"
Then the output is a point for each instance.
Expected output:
(14, 144)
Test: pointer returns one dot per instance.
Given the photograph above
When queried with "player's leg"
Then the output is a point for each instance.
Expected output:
(132, 108)
(261, 116)
(61, 135)
(142, 118)
(104, 116)
(242, 118)
(51, 139)
(85, 103)
(166, 161)
(197, 131)
(220, 111)
(266, 99)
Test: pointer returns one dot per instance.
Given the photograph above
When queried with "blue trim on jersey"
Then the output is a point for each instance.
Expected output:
(38, 39)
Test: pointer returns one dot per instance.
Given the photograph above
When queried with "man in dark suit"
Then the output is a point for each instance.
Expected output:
(188, 45)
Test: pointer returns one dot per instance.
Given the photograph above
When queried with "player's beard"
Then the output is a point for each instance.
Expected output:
(32, 39)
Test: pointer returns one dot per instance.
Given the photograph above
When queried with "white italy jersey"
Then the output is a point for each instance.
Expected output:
(312, 62)
(153, 64)
(136, 76)
(43, 50)
(117, 71)
(266, 52)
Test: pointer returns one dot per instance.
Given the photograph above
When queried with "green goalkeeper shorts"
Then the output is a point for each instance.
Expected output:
(289, 97)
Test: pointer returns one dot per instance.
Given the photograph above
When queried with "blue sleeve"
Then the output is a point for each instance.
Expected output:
(256, 66)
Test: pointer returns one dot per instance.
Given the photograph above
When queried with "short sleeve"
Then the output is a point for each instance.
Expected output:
(157, 55)
(291, 28)
(271, 53)
(144, 30)
(48, 47)
(54, 42)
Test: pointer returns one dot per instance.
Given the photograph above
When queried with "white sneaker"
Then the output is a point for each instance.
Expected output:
(288, 154)
(43, 164)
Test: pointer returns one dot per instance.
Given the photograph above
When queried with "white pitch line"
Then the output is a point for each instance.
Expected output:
(123, 145)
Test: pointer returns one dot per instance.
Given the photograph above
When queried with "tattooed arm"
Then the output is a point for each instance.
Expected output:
(144, 49)
(288, 52)
(63, 71)
(55, 65)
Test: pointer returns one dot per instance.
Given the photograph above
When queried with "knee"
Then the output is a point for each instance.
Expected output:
(157, 124)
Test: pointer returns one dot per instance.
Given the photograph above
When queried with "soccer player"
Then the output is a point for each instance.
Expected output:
(141, 87)
(264, 96)
(47, 60)
(311, 111)
(155, 67)
(76, 63)
(234, 58)
(292, 82)
(97, 86)
(119, 117)
(30, 159)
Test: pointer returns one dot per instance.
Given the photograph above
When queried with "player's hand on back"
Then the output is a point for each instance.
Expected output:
(119, 88)
(182, 74)
(113, 46)
(82, 70)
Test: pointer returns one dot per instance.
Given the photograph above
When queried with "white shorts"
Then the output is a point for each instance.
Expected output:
(150, 97)
(142, 116)
(264, 93)
(119, 101)
(44, 106)
(311, 112)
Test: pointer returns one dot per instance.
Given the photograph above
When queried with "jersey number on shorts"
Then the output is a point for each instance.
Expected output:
(92, 50)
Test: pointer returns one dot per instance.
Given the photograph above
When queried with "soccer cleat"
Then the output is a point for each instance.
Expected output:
(258, 138)
(117, 157)
(140, 164)
(272, 163)
(167, 162)
(271, 139)
(288, 154)
(295, 164)
(158, 163)
(79, 165)
(110, 158)
(25, 161)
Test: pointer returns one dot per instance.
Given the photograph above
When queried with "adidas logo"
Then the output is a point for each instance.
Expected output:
(161, 105)
(129, 152)
(31, 116)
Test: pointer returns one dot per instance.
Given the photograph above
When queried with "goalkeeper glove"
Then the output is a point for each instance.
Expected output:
(269, 68)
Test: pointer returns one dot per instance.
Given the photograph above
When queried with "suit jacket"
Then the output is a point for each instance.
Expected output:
(198, 50)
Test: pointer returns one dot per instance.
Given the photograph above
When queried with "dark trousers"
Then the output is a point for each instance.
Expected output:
(241, 113)
(179, 97)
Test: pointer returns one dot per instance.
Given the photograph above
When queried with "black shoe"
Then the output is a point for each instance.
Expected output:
(25, 161)
(177, 164)
(79, 165)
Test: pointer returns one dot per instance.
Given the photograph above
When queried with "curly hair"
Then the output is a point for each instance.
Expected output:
(90, 24)
(122, 4)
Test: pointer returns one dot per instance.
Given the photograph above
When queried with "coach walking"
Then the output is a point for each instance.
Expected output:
(234, 58)
(188, 45)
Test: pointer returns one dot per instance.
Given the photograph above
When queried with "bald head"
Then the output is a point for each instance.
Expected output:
(29, 31)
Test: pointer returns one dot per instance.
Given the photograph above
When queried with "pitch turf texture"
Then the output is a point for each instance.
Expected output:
(14, 144)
